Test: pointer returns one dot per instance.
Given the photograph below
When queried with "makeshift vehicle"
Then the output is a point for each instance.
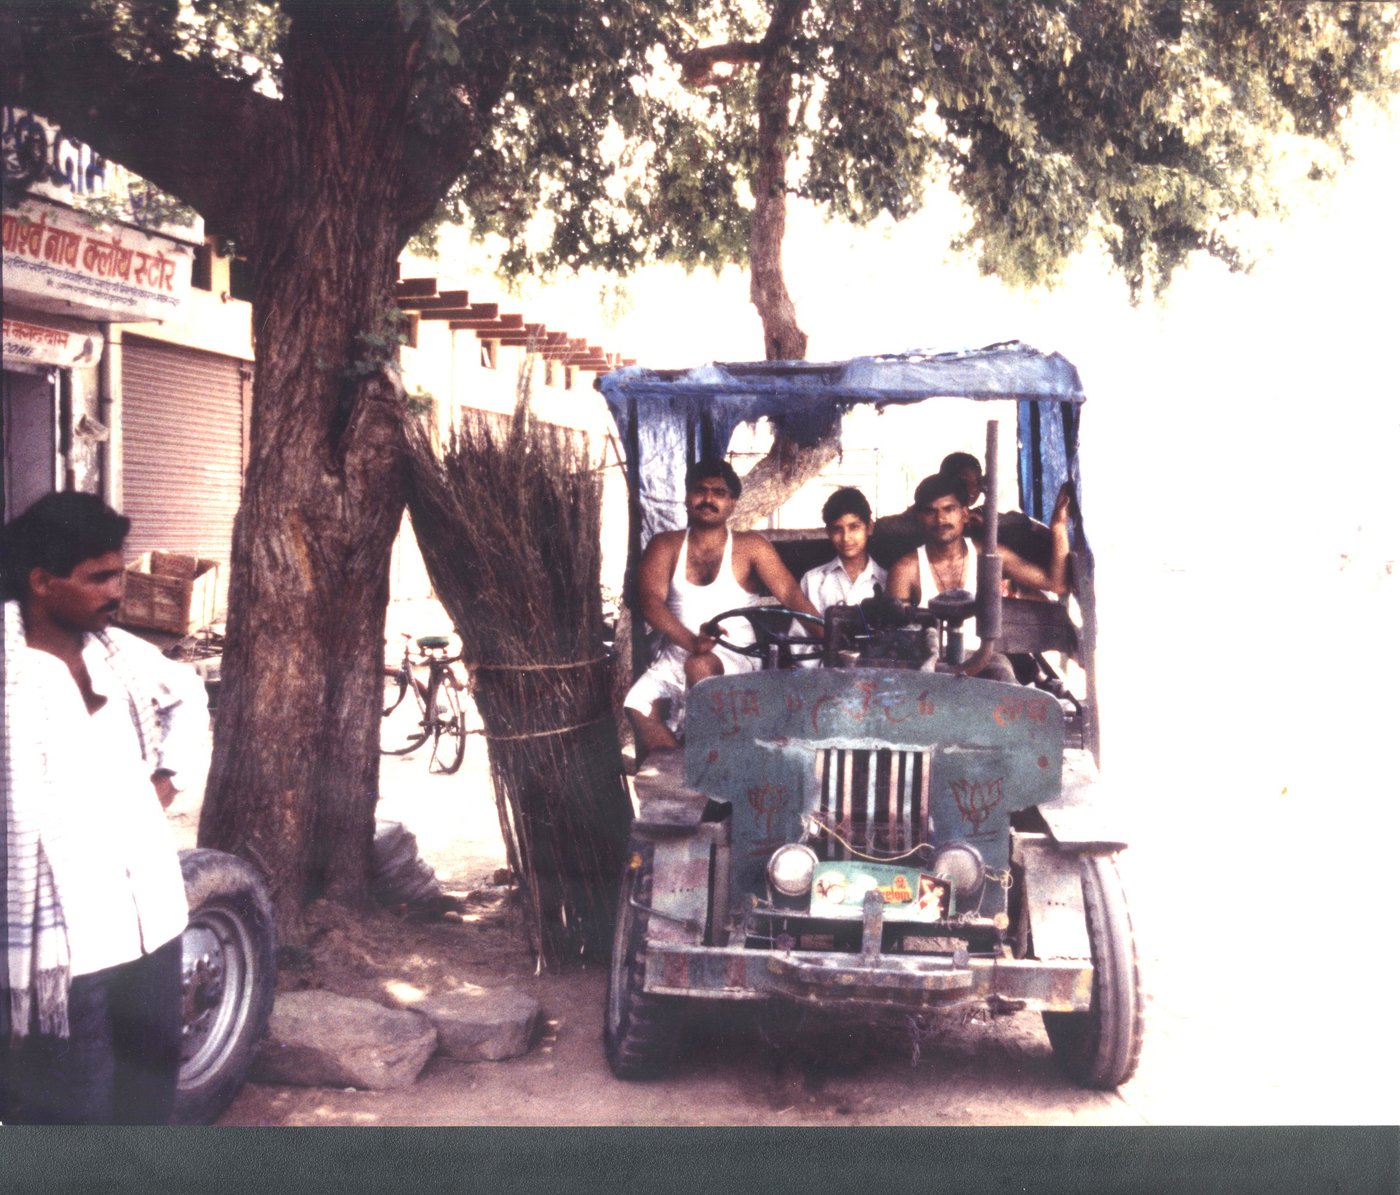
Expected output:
(886, 835)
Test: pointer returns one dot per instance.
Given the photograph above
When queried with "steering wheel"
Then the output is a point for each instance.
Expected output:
(770, 625)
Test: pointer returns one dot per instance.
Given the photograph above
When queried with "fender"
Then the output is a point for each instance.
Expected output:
(1084, 816)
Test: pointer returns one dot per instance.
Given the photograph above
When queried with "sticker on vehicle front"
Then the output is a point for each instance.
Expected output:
(838, 890)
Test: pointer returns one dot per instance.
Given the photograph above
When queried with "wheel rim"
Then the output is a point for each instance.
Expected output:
(621, 959)
(449, 729)
(217, 952)
(405, 726)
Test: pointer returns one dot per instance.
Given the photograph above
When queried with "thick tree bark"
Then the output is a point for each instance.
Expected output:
(320, 188)
(785, 470)
(295, 770)
(788, 465)
(783, 340)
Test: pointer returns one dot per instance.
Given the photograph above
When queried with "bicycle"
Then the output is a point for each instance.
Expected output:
(436, 704)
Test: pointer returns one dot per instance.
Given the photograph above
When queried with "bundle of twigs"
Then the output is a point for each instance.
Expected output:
(508, 522)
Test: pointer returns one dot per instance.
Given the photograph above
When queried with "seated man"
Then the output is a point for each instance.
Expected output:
(1028, 538)
(944, 561)
(688, 577)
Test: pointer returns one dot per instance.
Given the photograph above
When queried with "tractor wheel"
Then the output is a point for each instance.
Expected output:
(639, 1029)
(1100, 1048)
(230, 978)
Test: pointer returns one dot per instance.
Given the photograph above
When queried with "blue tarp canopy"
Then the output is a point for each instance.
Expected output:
(670, 418)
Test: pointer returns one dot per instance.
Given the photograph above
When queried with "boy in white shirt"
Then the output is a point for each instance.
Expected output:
(852, 575)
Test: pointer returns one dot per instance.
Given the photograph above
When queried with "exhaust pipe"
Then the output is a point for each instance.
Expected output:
(988, 568)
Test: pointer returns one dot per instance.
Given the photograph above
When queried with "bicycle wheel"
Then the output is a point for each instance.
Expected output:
(449, 727)
(405, 724)
(395, 686)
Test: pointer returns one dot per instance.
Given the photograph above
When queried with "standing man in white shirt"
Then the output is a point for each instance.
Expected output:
(98, 731)
(851, 575)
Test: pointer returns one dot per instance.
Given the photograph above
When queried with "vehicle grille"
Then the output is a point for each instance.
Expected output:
(872, 802)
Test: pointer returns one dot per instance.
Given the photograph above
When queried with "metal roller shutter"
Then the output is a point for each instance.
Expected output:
(183, 425)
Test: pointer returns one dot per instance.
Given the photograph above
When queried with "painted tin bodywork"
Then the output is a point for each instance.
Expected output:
(753, 782)
(982, 750)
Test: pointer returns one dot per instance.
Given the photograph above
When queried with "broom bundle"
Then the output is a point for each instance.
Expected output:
(508, 523)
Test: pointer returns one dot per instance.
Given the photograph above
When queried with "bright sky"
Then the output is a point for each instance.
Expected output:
(1240, 446)
(1181, 385)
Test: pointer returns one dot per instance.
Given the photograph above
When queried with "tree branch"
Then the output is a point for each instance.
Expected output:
(161, 119)
(433, 161)
(698, 64)
(782, 338)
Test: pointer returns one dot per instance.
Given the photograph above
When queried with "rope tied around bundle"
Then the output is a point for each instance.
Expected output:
(508, 520)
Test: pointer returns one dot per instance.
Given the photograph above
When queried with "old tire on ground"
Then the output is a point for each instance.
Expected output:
(1100, 1048)
(230, 978)
(639, 1029)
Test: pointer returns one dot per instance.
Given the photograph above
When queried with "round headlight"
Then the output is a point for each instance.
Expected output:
(961, 866)
(790, 869)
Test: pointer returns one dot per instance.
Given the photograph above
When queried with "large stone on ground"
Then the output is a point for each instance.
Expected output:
(319, 1039)
(487, 1026)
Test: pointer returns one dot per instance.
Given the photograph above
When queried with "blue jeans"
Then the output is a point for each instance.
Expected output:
(121, 1059)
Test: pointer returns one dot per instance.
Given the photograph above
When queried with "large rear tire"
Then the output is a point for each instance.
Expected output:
(1100, 1048)
(639, 1029)
(230, 978)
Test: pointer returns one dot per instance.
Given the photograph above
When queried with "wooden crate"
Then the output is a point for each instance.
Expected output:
(165, 591)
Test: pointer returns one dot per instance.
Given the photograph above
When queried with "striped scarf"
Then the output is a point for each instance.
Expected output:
(33, 934)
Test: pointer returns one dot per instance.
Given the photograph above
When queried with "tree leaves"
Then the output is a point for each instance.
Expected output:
(1149, 125)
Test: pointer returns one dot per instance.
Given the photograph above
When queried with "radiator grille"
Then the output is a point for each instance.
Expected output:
(874, 802)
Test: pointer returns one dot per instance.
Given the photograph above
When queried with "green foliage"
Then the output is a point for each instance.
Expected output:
(141, 205)
(379, 345)
(236, 39)
(1148, 126)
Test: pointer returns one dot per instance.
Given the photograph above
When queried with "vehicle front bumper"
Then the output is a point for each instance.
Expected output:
(835, 979)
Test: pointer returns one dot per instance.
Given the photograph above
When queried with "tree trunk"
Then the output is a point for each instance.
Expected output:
(783, 340)
(785, 470)
(788, 465)
(296, 760)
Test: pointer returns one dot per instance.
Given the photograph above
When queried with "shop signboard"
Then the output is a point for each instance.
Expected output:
(43, 162)
(27, 343)
(57, 260)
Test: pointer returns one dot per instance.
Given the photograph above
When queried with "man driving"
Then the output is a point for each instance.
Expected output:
(687, 578)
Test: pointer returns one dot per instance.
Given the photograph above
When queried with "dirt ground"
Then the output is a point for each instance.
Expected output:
(739, 1066)
(1239, 944)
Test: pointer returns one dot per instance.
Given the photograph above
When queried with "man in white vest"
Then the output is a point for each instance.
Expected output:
(946, 561)
(687, 578)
